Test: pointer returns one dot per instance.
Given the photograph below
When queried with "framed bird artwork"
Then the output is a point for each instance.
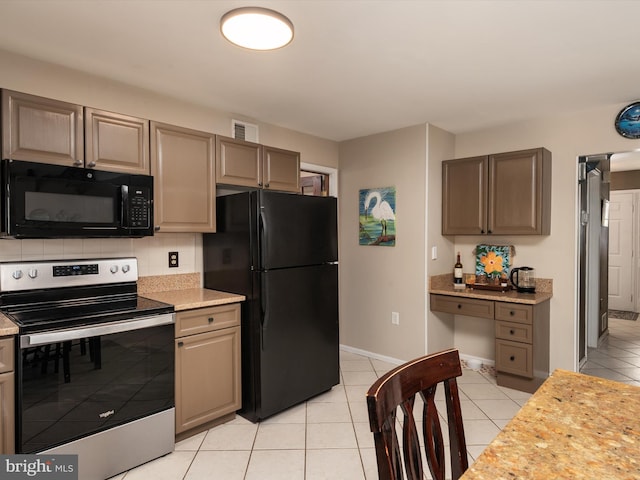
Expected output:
(378, 216)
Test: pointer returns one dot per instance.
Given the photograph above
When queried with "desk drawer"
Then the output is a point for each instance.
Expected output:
(517, 332)
(207, 319)
(515, 358)
(462, 306)
(514, 312)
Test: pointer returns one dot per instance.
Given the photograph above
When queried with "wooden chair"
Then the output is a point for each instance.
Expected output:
(398, 388)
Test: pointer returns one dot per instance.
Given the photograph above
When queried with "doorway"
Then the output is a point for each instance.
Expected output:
(593, 208)
(609, 236)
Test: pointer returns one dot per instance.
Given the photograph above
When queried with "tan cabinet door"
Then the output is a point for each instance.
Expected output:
(281, 169)
(116, 142)
(183, 169)
(519, 193)
(39, 129)
(238, 162)
(207, 377)
(464, 196)
(7, 413)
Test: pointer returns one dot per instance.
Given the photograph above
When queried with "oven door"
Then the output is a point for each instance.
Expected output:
(77, 382)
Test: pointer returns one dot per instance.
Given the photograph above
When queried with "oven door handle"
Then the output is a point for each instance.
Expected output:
(35, 339)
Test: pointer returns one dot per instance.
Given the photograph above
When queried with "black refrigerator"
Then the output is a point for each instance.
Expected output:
(280, 250)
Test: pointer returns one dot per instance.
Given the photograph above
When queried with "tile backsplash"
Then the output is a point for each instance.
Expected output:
(152, 252)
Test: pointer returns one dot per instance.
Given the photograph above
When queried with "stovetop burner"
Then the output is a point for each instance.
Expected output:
(40, 296)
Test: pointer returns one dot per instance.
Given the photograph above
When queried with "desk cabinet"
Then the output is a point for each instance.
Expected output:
(207, 366)
(502, 194)
(521, 336)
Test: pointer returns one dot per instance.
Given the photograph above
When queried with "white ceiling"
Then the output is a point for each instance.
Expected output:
(355, 67)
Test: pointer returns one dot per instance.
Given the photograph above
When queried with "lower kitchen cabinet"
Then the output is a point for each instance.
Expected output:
(7, 397)
(207, 367)
(521, 336)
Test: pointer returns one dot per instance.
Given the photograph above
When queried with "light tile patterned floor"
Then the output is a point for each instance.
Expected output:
(328, 437)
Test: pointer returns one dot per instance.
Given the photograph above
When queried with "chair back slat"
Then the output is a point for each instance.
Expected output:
(397, 390)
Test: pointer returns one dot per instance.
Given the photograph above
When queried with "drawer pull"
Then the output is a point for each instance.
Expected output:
(459, 306)
(512, 358)
(511, 332)
(210, 319)
(512, 313)
(180, 344)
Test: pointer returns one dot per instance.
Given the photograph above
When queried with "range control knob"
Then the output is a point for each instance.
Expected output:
(17, 274)
(33, 273)
(125, 268)
(114, 269)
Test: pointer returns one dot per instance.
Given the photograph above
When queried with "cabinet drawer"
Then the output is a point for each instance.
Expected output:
(514, 312)
(6, 355)
(199, 320)
(462, 306)
(515, 358)
(517, 332)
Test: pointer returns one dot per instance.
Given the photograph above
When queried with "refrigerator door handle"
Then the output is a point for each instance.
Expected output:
(263, 232)
(265, 311)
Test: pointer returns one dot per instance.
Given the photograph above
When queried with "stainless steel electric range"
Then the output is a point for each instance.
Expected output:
(94, 363)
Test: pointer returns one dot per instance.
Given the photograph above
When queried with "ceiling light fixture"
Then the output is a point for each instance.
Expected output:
(256, 28)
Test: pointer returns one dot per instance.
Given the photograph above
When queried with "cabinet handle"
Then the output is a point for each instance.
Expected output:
(180, 344)
(459, 306)
(512, 313)
(489, 231)
(511, 332)
(259, 184)
(157, 228)
(266, 185)
(91, 164)
(77, 163)
(210, 319)
(512, 358)
(482, 230)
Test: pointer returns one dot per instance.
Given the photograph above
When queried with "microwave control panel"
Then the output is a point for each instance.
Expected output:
(138, 206)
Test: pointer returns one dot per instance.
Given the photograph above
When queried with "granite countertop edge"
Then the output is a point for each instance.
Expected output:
(190, 298)
(442, 285)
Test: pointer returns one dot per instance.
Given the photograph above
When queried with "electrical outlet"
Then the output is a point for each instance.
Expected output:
(395, 318)
(173, 260)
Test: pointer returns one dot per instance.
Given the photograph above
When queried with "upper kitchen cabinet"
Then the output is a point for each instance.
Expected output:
(116, 142)
(248, 164)
(39, 129)
(281, 169)
(183, 169)
(502, 194)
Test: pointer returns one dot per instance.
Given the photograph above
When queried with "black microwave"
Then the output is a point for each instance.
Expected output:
(41, 200)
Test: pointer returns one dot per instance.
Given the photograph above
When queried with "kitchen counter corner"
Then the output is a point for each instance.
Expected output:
(189, 298)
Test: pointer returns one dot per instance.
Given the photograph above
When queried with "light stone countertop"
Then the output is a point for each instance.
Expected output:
(186, 299)
(443, 285)
(7, 327)
(575, 426)
(183, 291)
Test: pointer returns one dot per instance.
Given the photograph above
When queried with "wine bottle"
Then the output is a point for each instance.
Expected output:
(457, 271)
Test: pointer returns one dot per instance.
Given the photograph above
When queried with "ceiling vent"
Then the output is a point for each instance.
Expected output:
(244, 131)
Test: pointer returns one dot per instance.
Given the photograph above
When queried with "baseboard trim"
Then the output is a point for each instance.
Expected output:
(485, 361)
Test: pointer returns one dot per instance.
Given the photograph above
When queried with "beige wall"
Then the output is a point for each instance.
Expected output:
(554, 256)
(40, 78)
(377, 280)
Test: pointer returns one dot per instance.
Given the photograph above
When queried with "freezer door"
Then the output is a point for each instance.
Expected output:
(297, 230)
(299, 355)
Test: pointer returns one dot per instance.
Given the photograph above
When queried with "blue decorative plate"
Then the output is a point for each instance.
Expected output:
(628, 121)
